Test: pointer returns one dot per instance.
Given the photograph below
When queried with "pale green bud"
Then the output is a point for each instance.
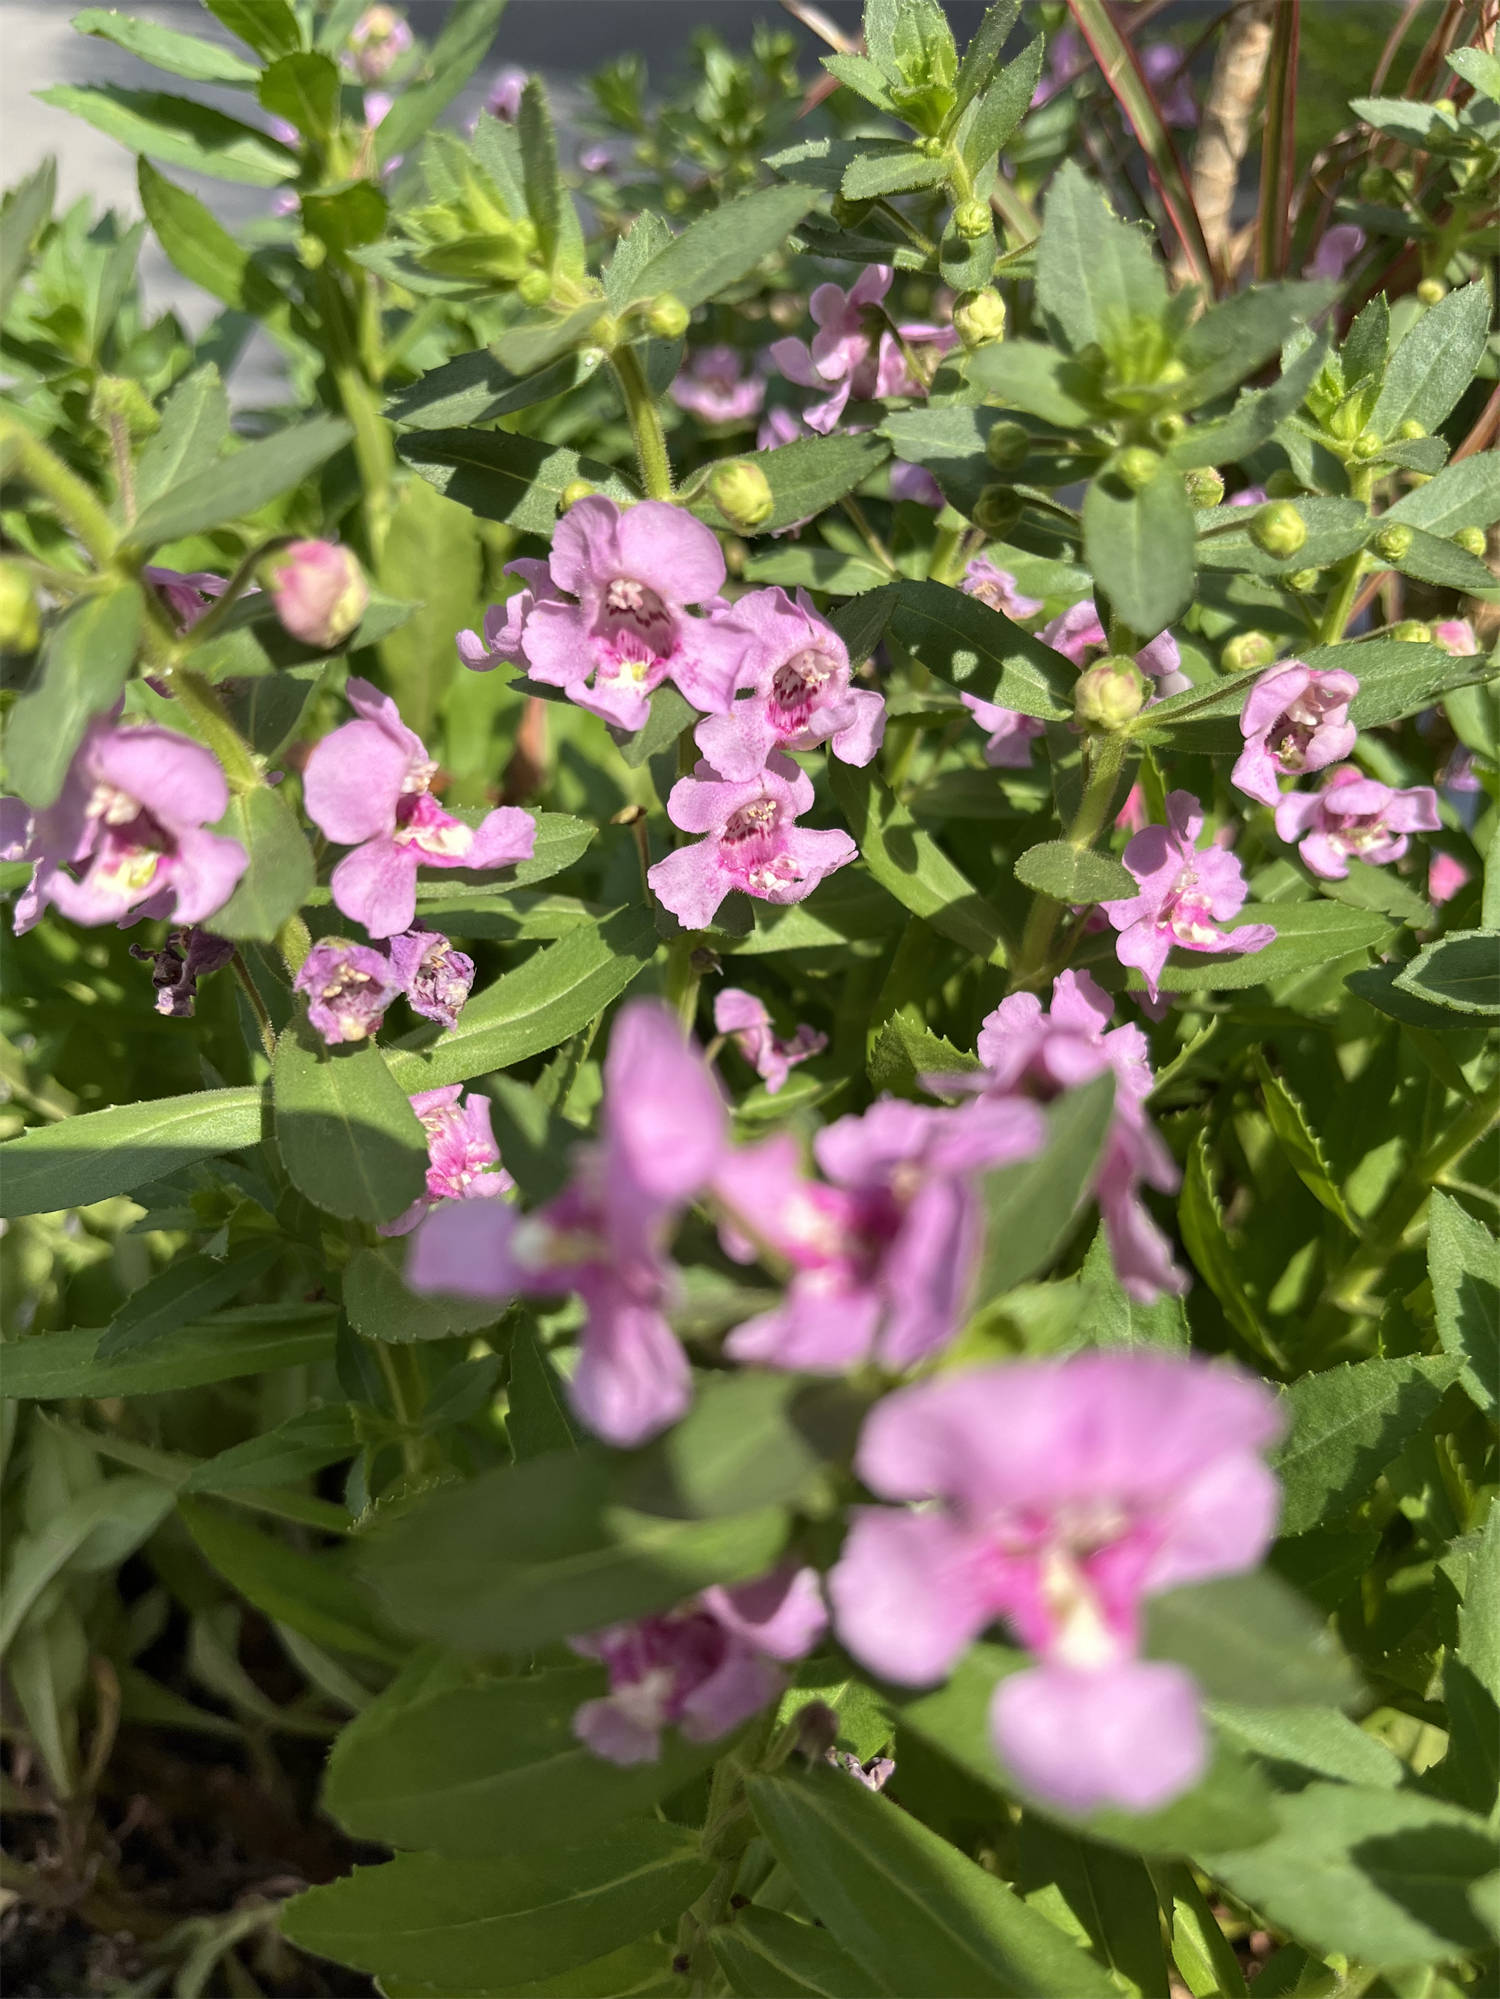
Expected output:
(742, 493)
(1413, 631)
(1006, 446)
(1205, 486)
(980, 319)
(534, 287)
(1247, 653)
(1472, 539)
(1137, 466)
(1303, 581)
(1393, 542)
(667, 317)
(997, 509)
(972, 219)
(1409, 428)
(20, 624)
(1431, 291)
(1279, 529)
(1110, 694)
(573, 492)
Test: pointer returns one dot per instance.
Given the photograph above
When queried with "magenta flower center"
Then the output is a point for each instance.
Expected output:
(1187, 912)
(795, 687)
(422, 823)
(1359, 831)
(636, 628)
(655, 1665)
(751, 849)
(133, 843)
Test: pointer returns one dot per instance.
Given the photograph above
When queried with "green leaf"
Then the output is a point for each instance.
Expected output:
(281, 867)
(1102, 1896)
(86, 661)
(537, 1006)
(194, 426)
(806, 477)
(982, 54)
(900, 171)
(1114, 1318)
(477, 387)
(981, 652)
(905, 1051)
(88, 1158)
(1002, 107)
(537, 343)
(465, 41)
(1431, 559)
(242, 483)
(544, 191)
(1292, 1740)
(1326, 1563)
(1256, 413)
(185, 1293)
(670, 714)
(381, 1308)
(768, 1956)
(1463, 1261)
(1380, 1875)
(453, 1926)
(52, 1367)
(504, 477)
(494, 1768)
(285, 1455)
(1073, 874)
(1140, 548)
(304, 90)
(1335, 528)
(863, 77)
(1471, 1681)
(1031, 1206)
(1460, 972)
(346, 218)
(1478, 67)
(267, 26)
(1234, 338)
(1347, 1424)
(1377, 986)
(537, 1419)
(1249, 1638)
(167, 48)
(1308, 935)
(921, 1918)
(202, 249)
(1026, 375)
(347, 1135)
(178, 130)
(26, 212)
(1094, 273)
(96, 1530)
(1201, 1219)
(1301, 1143)
(1435, 361)
(1465, 495)
(720, 248)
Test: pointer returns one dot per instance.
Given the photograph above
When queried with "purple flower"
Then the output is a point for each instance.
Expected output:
(716, 387)
(914, 482)
(1184, 895)
(1067, 1493)
(319, 591)
(997, 588)
(751, 842)
(1035, 1053)
(874, 1776)
(702, 1669)
(377, 41)
(186, 957)
(125, 838)
(1248, 496)
(1010, 735)
(367, 785)
(633, 575)
(1354, 816)
(1077, 632)
(505, 622)
(436, 979)
(1166, 69)
(1336, 251)
(884, 1250)
(604, 1235)
(503, 98)
(463, 1160)
(778, 426)
(744, 1020)
(187, 595)
(796, 668)
(348, 988)
(1295, 719)
(850, 355)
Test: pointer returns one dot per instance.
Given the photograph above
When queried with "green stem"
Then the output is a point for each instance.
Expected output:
(945, 563)
(372, 437)
(645, 425)
(213, 618)
(868, 535)
(206, 713)
(46, 474)
(401, 1369)
(256, 1004)
(1106, 759)
(294, 941)
(1346, 587)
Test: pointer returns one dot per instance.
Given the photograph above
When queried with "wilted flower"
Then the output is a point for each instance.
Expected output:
(186, 957)
(1354, 817)
(377, 41)
(367, 785)
(463, 1160)
(126, 836)
(186, 594)
(348, 988)
(319, 591)
(997, 588)
(744, 1020)
(848, 355)
(504, 622)
(716, 386)
(1295, 718)
(436, 979)
(1066, 1494)
(703, 1669)
(874, 1775)
(1184, 895)
(751, 842)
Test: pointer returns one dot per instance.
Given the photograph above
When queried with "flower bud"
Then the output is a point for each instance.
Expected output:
(1413, 631)
(572, 493)
(980, 319)
(1006, 446)
(605, 332)
(1303, 581)
(972, 219)
(667, 317)
(1278, 529)
(1169, 426)
(1205, 486)
(1137, 466)
(1409, 428)
(931, 146)
(1431, 291)
(1445, 106)
(1247, 652)
(1472, 539)
(20, 626)
(742, 493)
(1393, 542)
(1110, 693)
(997, 509)
(534, 287)
(1368, 444)
(320, 592)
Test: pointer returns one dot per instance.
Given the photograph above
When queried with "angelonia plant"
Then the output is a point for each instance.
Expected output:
(749, 1049)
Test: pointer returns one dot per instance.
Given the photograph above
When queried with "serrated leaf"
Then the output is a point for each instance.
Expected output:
(1201, 1219)
(1463, 1261)
(805, 477)
(1073, 874)
(769, 1956)
(347, 1135)
(241, 483)
(85, 663)
(25, 214)
(1308, 935)
(1234, 338)
(267, 26)
(1460, 972)
(1002, 107)
(1250, 1638)
(465, 41)
(1435, 361)
(1431, 559)
(381, 1308)
(1301, 1143)
(1463, 495)
(58, 1366)
(719, 248)
(305, 1443)
(185, 1293)
(1335, 528)
(900, 171)
(178, 130)
(1347, 1425)
(315, 1594)
(1093, 271)
(166, 48)
(1471, 1680)
(194, 426)
(88, 1158)
(863, 77)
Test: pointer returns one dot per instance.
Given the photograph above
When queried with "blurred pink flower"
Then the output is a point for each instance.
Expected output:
(463, 1160)
(716, 386)
(743, 1019)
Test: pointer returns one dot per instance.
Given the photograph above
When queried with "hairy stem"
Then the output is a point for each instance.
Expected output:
(46, 474)
(645, 425)
(205, 711)
(1106, 759)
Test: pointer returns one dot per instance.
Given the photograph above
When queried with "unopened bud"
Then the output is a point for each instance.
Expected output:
(1169, 426)
(534, 287)
(931, 147)
(1369, 444)
(1247, 652)
(1303, 581)
(319, 591)
(1205, 486)
(1413, 631)
(1393, 542)
(1445, 106)
(972, 219)
(119, 399)
(1110, 693)
(1472, 539)
(1431, 290)
(742, 493)
(1006, 446)
(1137, 466)
(573, 492)
(20, 624)
(980, 319)
(1283, 485)
(997, 509)
(1279, 529)
(605, 331)
(1409, 428)
(667, 317)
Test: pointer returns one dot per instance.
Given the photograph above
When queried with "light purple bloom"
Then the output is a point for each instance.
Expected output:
(883, 1250)
(1354, 817)
(703, 1669)
(1167, 71)
(1248, 496)
(187, 595)
(997, 588)
(744, 1020)
(604, 1235)
(1010, 734)
(1454, 635)
(633, 574)
(463, 1160)
(126, 836)
(505, 622)
(796, 670)
(779, 425)
(1077, 632)
(874, 1776)
(751, 842)
(716, 386)
(348, 988)
(914, 482)
(436, 979)
(186, 957)
(319, 591)
(503, 99)
(1336, 251)
(368, 786)
(1295, 719)
(1067, 1493)
(377, 41)
(1184, 895)
(850, 355)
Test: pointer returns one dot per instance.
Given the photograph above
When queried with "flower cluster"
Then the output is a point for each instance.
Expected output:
(349, 986)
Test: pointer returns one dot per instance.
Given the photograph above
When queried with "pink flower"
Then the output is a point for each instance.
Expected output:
(1248, 496)
(997, 588)
(126, 836)
(633, 574)
(1184, 895)
(348, 988)
(186, 595)
(751, 842)
(436, 979)
(604, 1236)
(1031, 1052)
(367, 785)
(1131, 816)
(1336, 251)
(1010, 735)
(884, 1250)
(505, 622)
(463, 1160)
(702, 1669)
(503, 98)
(914, 482)
(1077, 632)
(849, 355)
(320, 592)
(1445, 877)
(716, 387)
(796, 670)
(743, 1018)
(1295, 719)
(1067, 1493)
(377, 41)
(778, 426)
(1354, 815)
(1454, 635)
